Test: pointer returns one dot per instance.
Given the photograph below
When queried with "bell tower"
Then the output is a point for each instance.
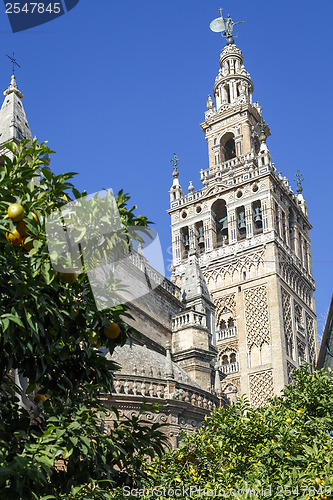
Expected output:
(251, 233)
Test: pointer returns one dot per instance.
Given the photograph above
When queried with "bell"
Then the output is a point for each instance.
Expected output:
(201, 238)
(224, 225)
(241, 222)
(257, 216)
(186, 242)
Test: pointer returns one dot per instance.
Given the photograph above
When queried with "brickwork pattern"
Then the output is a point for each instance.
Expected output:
(286, 310)
(261, 388)
(311, 339)
(257, 316)
(290, 369)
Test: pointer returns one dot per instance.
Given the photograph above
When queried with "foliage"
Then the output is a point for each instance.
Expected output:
(46, 328)
(284, 450)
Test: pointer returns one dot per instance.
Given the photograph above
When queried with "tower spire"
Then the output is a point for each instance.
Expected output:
(13, 121)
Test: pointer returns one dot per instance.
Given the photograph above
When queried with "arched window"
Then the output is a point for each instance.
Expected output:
(225, 360)
(232, 357)
(241, 223)
(219, 211)
(226, 326)
(200, 236)
(185, 242)
(257, 216)
(228, 148)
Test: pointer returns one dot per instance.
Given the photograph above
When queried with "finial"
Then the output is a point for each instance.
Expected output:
(169, 367)
(191, 187)
(225, 26)
(299, 179)
(175, 162)
(13, 60)
(217, 384)
(262, 128)
(210, 102)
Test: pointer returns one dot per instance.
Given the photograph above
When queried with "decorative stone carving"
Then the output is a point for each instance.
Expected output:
(261, 388)
(311, 339)
(226, 302)
(290, 370)
(286, 311)
(257, 316)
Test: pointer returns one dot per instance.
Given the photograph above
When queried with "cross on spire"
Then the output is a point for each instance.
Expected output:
(13, 60)
(299, 179)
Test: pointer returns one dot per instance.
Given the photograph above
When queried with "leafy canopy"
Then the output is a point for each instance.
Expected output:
(284, 450)
(64, 447)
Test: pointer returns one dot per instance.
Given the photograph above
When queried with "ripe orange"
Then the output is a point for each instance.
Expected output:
(14, 238)
(112, 330)
(289, 420)
(39, 397)
(15, 212)
(68, 277)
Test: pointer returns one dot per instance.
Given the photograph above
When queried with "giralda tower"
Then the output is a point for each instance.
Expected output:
(250, 232)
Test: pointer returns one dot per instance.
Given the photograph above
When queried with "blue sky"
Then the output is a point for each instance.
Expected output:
(118, 87)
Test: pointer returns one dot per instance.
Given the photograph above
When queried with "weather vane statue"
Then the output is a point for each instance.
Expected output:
(225, 26)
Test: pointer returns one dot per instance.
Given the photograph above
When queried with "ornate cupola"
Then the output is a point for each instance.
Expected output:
(233, 85)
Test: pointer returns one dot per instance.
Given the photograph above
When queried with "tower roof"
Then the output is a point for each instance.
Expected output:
(194, 284)
(13, 121)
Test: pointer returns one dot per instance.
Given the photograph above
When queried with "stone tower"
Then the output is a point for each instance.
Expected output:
(13, 121)
(251, 234)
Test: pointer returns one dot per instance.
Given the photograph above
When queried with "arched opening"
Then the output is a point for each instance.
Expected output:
(220, 214)
(185, 242)
(257, 216)
(241, 222)
(256, 145)
(200, 236)
(226, 326)
(228, 147)
(228, 361)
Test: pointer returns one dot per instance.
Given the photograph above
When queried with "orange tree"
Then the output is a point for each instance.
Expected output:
(283, 450)
(53, 438)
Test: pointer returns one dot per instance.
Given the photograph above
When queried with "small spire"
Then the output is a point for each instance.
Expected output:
(299, 179)
(191, 187)
(210, 102)
(175, 162)
(169, 367)
(217, 384)
(13, 88)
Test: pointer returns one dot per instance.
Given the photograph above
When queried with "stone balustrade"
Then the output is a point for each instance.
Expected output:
(230, 368)
(187, 319)
(226, 333)
(135, 385)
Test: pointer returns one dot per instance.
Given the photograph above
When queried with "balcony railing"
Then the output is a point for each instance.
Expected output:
(230, 368)
(226, 333)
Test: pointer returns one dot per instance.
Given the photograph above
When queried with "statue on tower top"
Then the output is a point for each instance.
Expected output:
(225, 26)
